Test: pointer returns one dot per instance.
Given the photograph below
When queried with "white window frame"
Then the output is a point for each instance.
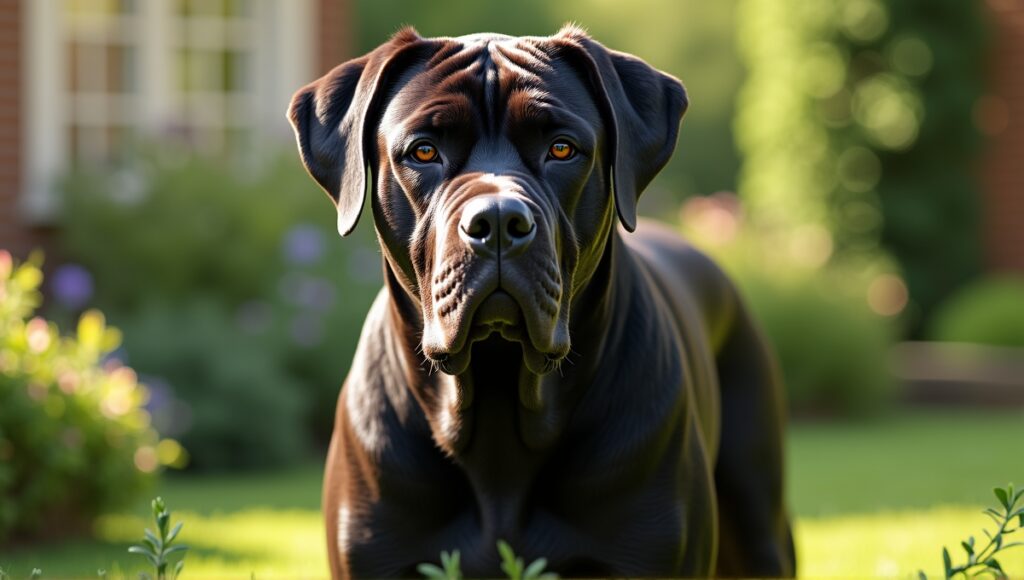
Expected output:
(285, 60)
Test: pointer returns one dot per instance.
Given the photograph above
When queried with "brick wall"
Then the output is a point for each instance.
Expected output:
(335, 42)
(1001, 116)
(14, 234)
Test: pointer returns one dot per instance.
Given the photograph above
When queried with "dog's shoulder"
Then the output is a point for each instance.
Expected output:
(688, 271)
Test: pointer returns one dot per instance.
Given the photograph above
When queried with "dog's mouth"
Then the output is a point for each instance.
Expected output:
(498, 315)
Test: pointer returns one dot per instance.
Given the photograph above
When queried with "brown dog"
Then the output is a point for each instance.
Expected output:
(528, 372)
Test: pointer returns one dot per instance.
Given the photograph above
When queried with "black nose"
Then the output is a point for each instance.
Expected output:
(497, 225)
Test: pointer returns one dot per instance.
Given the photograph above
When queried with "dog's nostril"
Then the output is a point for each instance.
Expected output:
(478, 228)
(519, 227)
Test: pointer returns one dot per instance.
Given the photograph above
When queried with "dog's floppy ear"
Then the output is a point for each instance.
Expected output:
(333, 119)
(642, 109)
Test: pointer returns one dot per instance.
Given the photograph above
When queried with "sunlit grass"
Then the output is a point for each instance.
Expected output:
(907, 460)
(872, 500)
(892, 544)
(265, 542)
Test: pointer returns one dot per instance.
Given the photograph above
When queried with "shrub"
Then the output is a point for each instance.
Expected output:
(74, 438)
(989, 311)
(176, 228)
(223, 393)
(192, 250)
(833, 350)
(832, 344)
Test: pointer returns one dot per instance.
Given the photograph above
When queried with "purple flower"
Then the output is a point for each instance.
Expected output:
(171, 417)
(305, 291)
(303, 245)
(72, 286)
(160, 394)
(307, 330)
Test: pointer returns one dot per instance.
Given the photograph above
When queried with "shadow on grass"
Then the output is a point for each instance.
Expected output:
(85, 558)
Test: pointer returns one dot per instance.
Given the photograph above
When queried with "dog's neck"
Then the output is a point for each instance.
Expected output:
(543, 402)
(498, 443)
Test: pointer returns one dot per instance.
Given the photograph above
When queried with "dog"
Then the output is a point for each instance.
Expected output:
(540, 366)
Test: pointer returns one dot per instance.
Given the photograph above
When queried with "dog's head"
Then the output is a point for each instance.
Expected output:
(495, 167)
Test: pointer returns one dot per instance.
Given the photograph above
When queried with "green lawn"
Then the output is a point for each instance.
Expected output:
(874, 499)
(882, 499)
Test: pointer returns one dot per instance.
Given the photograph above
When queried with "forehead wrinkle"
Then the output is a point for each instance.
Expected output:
(445, 112)
(529, 106)
(463, 70)
(519, 67)
(449, 50)
(536, 50)
(530, 59)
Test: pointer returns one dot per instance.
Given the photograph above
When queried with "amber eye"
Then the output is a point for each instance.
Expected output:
(425, 153)
(561, 150)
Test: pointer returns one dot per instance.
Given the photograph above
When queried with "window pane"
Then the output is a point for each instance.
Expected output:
(236, 71)
(187, 8)
(90, 63)
(99, 7)
(182, 67)
(74, 83)
(237, 8)
(207, 71)
(121, 75)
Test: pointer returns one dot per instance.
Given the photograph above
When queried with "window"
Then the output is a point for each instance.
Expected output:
(214, 47)
(101, 79)
(104, 76)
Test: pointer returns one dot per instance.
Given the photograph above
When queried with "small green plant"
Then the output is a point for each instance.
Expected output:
(158, 549)
(450, 568)
(512, 565)
(1009, 519)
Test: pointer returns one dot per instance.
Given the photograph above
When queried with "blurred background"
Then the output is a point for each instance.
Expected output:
(857, 165)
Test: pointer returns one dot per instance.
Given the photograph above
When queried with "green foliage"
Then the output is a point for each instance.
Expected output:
(832, 347)
(74, 438)
(833, 350)
(451, 568)
(225, 394)
(856, 118)
(988, 311)
(177, 227)
(158, 549)
(1009, 518)
(512, 565)
(235, 293)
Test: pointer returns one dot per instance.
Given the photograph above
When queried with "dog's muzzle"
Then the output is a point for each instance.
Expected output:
(496, 271)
